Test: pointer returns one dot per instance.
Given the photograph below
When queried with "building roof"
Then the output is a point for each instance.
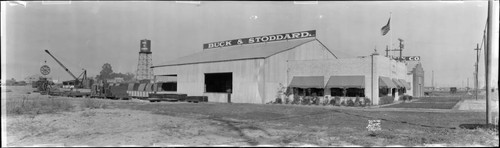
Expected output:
(242, 52)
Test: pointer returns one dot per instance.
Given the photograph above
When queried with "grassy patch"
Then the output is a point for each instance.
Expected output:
(93, 103)
(429, 102)
(88, 114)
(348, 127)
(37, 105)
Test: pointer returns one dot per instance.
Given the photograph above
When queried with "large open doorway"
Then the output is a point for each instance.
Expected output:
(218, 82)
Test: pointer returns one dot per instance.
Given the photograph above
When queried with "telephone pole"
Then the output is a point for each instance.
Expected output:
(476, 78)
(432, 80)
(387, 51)
(488, 61)
(401, 46)
(467, 84)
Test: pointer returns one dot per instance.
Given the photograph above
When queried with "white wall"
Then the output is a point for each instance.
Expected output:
(276, 66)
(246, 79)
(382, 66)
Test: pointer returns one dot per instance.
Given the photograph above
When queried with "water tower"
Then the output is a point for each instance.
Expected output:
(144, 70)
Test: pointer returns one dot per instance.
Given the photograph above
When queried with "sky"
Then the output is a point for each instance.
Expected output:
(85, 35)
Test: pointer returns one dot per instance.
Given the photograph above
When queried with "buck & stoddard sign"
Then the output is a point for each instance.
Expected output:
(261, 39)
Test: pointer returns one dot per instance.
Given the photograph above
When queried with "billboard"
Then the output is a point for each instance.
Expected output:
(261, 39)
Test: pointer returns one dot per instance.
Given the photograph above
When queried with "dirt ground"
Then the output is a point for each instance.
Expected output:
(141, 123)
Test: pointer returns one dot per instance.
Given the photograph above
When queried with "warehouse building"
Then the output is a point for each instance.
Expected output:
(253, 69)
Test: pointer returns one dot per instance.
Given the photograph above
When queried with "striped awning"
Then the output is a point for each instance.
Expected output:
(346, 81)
(396, 81)
(386, 82)
(130, 87)
(148, 87)
(406, 84)
(307, 82)
(141, 87)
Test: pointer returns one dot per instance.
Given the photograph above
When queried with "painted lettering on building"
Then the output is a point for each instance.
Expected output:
(261, 39)
(408, 58)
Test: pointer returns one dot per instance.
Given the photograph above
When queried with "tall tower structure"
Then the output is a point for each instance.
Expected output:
(144, 70)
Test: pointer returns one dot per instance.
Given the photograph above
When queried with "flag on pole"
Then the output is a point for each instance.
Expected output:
(386, 28)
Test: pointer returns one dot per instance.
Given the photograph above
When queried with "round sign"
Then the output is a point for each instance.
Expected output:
(45, 70)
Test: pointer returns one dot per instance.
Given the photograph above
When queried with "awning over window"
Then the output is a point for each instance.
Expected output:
(406, 84)
(386, 82)
(346, 81)
(307, 82)
(396, 81)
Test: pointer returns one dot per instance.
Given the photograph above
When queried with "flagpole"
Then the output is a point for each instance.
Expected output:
(390, 42)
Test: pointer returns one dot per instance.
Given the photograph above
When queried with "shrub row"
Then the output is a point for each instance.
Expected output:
(386, 100)
(334, 101)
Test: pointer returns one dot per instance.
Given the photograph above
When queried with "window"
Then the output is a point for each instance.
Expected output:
(383, 91)
(337, 91)
(348, 92)
(169, 86)
(218, 82)
(308, 91)
(167, 82)
(355, 92)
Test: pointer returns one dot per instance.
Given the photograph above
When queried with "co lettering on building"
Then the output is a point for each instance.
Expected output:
(412, 58)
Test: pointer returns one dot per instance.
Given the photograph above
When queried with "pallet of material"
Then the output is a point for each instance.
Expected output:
(180, 97)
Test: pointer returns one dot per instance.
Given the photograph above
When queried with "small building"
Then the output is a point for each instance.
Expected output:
(417, 74)
(253, 70)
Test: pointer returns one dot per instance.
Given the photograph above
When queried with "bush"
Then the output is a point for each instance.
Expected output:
(332, 102)
(307, 100)
(357, 102)
(316, 100)
(296, 99)
(406, 97)
(337, 101)
(350, 102)
(325, 101)
(342, 103)
(386, 100)
(287, 100)
(366, 102)
(277, 101)
(93, 104)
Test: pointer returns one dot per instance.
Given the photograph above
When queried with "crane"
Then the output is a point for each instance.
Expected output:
(78, 83)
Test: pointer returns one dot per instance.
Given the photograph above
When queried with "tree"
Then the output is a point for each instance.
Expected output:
(105, 72)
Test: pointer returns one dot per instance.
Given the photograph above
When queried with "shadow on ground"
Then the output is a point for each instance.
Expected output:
(239, 128)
